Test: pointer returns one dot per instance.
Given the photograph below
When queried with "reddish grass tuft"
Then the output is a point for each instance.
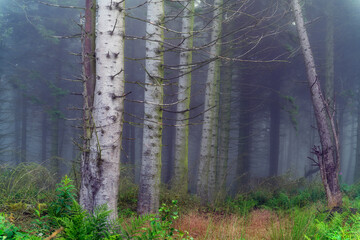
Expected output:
(258, 225)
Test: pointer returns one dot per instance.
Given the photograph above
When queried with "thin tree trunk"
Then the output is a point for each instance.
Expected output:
(24, 106)
(150, 173)
(44, 128)
(180, 175)
(54, 148)
(328, 155)
(18, 120)
(329, 74)
(55, 125)
(207, 141)
(101, 163)
(274, 129)
(357, 158)
(244, 134)
(88, 184)
(224, 121)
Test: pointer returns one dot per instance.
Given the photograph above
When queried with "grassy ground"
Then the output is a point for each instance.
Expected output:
(278, 208)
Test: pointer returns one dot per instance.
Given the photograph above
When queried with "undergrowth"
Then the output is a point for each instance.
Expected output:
(31, 209)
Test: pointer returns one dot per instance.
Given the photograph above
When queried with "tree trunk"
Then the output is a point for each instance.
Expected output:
(17, 127)
(329, 74)
(224, 122)
(328, 154)
(44, 128)
(54, 148)
(207, 141)
(101, 161)
(180, 175)
(150, 173)
(23, 127)
(274, 128)
(357, 158)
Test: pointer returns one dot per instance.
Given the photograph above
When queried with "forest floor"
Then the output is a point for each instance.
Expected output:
(278, 209)
(259, 224)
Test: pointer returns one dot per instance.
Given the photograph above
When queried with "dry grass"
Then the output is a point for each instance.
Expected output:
(258, 225)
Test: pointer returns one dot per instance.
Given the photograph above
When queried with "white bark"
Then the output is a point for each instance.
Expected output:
(100, 176)
(180, 176)
(207, 139)
(152, 133)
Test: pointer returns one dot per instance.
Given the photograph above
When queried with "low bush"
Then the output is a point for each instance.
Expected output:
(336, 225)
(28, 183)
(9, 231)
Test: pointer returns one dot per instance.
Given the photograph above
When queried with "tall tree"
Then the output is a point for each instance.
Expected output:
(224, 124)
(357, 156)
(210, 115)
(328, 155)
(24, 120)
(180, 175)
(101, 161)
(274, 125)
(329, 70)
(150, 172)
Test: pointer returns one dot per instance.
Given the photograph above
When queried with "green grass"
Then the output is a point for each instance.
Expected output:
(297, 211)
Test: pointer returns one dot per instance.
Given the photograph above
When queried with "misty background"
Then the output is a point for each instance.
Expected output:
(271, 127)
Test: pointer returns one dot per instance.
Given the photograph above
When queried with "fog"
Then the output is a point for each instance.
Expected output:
(266, 120)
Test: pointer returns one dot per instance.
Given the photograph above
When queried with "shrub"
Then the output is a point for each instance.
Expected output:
(80, 225)
(8, 231)
(27, 183)
(153, 226)
(345, 225)
(240, 204)
(279, 201)
(64, 200)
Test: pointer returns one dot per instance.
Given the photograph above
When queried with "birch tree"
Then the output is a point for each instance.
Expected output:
(207, 139)
(150, 172)
(180, 176)
(328, 156)
(101, 161)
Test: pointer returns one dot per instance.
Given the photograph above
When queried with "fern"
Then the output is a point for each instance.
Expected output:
(80, 225)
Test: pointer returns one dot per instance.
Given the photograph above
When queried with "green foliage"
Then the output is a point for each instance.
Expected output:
(301, 223)
(55, 113)
(240, 204)
(27, 183)
(9, 232)
(292, 109)
(261, 197)
(131, 229)
(46, 33)
(184, 200)
(345, 225)
(153, 226)
(279, 198)
(57, 91)
(128, 192)
(353, 191)
(80, 225)
(64, 200)
(41, 221)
